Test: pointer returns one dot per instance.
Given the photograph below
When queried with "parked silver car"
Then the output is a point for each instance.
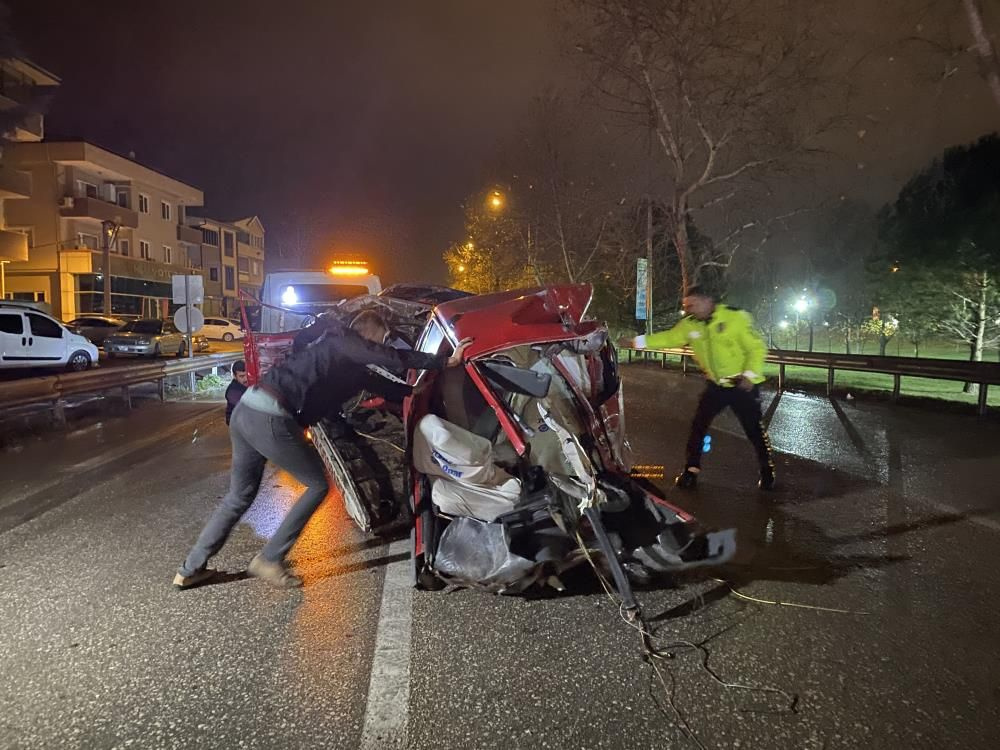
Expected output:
(146, 337)
(96, 328)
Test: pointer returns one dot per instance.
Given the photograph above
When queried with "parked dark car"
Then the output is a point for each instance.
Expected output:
(96, 328)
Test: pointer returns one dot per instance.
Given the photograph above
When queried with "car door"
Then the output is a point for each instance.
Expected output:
(172, 339)
(46, 340)
(13, 339)
(213, 328)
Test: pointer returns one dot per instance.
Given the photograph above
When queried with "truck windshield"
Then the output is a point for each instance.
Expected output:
(299, 294)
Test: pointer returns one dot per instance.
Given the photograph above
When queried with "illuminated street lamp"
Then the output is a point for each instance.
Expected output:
(496, 201)
(801, 306)
(461, 268)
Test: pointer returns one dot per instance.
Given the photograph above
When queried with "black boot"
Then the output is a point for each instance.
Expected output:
(687, 479)
(766, 479)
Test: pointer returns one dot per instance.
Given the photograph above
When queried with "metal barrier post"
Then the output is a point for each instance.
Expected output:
(781, 376)
(160, 387)
(127, 397)
(829, 382)
(895, 387)
(684, 364)
(984, 389)
(59, 412)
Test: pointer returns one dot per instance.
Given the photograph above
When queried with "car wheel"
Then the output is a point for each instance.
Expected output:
(78, 361)
(156, 352)
(180, 349)
(227, 337)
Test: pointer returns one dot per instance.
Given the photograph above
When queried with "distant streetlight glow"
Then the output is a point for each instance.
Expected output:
(783, 325)
(496, 200)
(461, 268)
(801, 305)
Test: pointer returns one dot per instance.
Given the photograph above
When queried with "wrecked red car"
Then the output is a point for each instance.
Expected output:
(515, 467)
(519, 462)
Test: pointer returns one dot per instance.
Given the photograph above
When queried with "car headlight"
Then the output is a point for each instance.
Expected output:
(143, 342)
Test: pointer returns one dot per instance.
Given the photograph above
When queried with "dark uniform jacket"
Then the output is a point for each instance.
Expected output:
(329, 364)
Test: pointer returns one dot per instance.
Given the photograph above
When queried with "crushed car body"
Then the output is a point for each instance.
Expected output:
(514, 467)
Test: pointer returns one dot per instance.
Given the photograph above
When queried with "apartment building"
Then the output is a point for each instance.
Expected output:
(231, 258)
(22, 87)
(79, 191)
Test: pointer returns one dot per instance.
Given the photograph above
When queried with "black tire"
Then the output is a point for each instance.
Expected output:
(78, 361)
(181, 350)
(227, 337)
(156, 352)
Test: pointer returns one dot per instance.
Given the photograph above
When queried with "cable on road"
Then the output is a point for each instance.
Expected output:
(777, 603)
(652, 654)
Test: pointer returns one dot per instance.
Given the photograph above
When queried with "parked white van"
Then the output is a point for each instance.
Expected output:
(30, 338)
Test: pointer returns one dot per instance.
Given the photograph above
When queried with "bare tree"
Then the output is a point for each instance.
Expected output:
(734, 91)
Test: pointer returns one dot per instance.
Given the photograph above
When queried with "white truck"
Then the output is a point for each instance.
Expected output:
(292, 298)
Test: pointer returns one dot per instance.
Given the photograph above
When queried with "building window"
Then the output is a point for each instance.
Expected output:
(86, 189)
(168, 254)
(227, 244)
(254, 267)
(143, 204)
(243, 264)
(144, 249)
(210, 237)
(123, 247)
(230, 278)
(213, 273)
(121, 195)
(165, 211)
(88, 240)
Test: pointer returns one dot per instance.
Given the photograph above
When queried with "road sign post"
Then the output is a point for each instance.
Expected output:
(189, 291)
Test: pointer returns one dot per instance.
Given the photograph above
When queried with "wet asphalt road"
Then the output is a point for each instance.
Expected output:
(887, 529)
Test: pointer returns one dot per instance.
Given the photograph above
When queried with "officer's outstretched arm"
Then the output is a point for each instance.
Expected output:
(754, 350)
(671, 338)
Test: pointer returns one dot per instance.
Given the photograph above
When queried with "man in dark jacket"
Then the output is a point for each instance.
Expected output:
(236, 388)
(329, 366)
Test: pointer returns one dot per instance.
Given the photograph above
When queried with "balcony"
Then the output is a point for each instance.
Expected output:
(188, 234)
(13, 247)
(14, 184)
(95, 208)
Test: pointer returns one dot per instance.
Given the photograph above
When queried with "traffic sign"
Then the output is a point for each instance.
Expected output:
(641, 288)
(189, 314)
(189, 289)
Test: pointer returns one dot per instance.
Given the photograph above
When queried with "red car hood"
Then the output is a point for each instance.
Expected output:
(523, 316)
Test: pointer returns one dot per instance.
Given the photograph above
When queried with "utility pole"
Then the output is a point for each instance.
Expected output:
(108, 235)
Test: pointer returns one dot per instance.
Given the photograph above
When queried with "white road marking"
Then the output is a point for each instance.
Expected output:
(387, 711)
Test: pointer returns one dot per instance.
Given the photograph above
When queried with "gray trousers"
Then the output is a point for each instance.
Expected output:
(257, 438)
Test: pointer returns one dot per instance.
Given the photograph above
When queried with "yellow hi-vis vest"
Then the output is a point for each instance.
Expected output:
(725, 346)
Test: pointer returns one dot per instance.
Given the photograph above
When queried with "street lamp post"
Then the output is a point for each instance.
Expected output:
(108, 234)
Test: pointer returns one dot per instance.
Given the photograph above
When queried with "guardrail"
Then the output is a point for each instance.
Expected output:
(52, 390)
(984, 374)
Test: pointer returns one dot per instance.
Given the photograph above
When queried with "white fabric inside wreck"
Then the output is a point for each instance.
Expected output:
(465, 481)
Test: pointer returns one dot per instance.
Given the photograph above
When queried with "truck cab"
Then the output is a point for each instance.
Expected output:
(292, 298)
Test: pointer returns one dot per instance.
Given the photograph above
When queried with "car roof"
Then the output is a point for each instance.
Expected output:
(522, 316)
(100, 317)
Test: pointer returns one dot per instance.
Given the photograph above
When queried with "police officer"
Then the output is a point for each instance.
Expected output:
(731, 354)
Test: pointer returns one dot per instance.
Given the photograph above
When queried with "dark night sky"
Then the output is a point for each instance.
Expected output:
(347, 126)
(361, 126)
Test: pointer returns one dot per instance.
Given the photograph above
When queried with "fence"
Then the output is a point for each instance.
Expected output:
(984, 374)
(53, 390)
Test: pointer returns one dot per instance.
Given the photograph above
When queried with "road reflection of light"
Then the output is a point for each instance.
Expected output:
(278, 492)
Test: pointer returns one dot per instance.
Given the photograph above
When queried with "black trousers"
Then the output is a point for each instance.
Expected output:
(746, 406)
